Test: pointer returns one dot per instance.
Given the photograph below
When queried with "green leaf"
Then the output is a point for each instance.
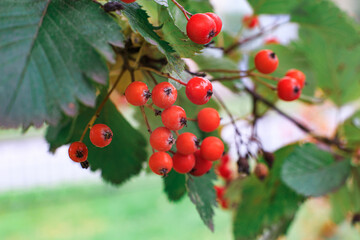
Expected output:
(138, 20)
(174, 186)
(119, 161)
(352, 131)
(313, 172)
(265, 204)
(272, 6)
(178, 40)
(49, 51)
(202, 193)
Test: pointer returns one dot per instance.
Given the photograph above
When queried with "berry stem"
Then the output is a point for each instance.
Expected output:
(156, 111)
(256, 79)
(147, 123)
(186, 13)
(98, 110)
(264, 76)
(162, 74)
(231, 78)
(237, 131)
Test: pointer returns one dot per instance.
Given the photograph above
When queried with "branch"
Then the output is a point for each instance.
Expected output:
(162, 74)
(186, 13)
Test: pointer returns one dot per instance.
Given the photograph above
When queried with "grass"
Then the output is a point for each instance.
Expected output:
(137, 210)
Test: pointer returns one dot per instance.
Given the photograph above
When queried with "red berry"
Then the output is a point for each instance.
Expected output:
(78, 152)
(298, 75)
(201, 28)
(199, 90)
(261, 171)
(137, 93)
(220, 192)
(208, 119)
(202, 165)
(212, 148)
(128, 1)
(273, 40)
(251, 21)
(266, 61)
(174, 118)
(187, 143)
(183, 163)
(164, 95)
(225, 159)
(101, 135)
(288, 89)
(224, 171)
(160, 163)
(217, 21)
(162, 139)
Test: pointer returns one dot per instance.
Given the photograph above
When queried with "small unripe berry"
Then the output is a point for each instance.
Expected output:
(261, 171)
(78, 152)
(162, 139)
(164, 95)
(100, 135)
(201, 28)
(160, 163)
(208, 119)
(174, 118)
(212, 148)
(137, 93)
(298, 75)
(202, 165)
(187, 143)
(199, 90)
(288, 89)
(266, 61)
(183, 163)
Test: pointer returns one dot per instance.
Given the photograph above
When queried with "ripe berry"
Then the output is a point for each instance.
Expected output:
(183, 163)
(128, 1)
(220, 196)
(224, 171)
(162, 139)
(199, 90)
(208, 119)
(266, 61)
(174, 118)
(261, 171)
(201, 28)
(101, 135)
(164, 95)
(187, 143)
(298, 75)
(212, 148)
(160, 163)
(137, 93)
(288, 89)
(250, 21)
(217, 20)
(78, 152)
(202, 165)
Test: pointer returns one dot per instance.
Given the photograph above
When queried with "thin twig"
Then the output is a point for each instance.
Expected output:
(162, 74)
(186, 13)
(98, 110)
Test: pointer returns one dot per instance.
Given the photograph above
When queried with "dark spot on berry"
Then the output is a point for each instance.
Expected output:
(272, 55)
(209, 93)
(296, 89)
(157, 112)
(197, 142)
(168, 91)
(85, 164)
(112, 6)
(183, 122)
(193, 170)
(212, 34)
(107, 135)
(79, 153)
(171, 140)
(147, 94)
(164, 172)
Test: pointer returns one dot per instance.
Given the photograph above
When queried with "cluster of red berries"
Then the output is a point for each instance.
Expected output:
(190, 155)
(203, 27)
(250, 21)
(289, 87)
(100, 135)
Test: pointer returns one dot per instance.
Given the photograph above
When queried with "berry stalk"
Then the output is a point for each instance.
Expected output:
(186, 13)
(162, 74)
